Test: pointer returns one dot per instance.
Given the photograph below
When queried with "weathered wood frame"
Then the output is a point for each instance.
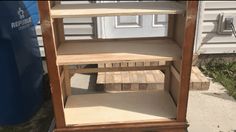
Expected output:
(53, 34)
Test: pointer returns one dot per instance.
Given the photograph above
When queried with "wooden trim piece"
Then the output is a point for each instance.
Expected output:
(53, 69)
(171, 25)
(114, 69)
(67, 80)
(167, 77)
(62, 76)
(175, 73)
(59, 31)
(189, 33)
(165, 126)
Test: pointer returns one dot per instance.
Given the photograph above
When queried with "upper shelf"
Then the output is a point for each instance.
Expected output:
(117, 9)
(103, 51)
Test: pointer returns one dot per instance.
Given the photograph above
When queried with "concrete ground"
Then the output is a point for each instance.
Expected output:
(212, 110)
(208, 111)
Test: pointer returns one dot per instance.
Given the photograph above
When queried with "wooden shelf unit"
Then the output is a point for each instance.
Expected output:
(163, 110)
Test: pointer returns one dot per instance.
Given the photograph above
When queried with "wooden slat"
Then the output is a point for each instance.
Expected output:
(119, 108)
(114, 69)
(101, 78)
(133, 81)
(126, 85)
(152, 85)
(113, 9)
(88, 52)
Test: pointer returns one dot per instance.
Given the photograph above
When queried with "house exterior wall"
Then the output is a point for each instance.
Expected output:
(207, 41)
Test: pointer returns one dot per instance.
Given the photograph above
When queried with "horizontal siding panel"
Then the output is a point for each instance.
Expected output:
(220, 4)
(38, 30)
(42, 52)
(78, 29)
(213, 14)
(72, 29)
(78, 37)
(217, 48)
(215, 38)
(76, 2)
(40, 40)
(78, 20)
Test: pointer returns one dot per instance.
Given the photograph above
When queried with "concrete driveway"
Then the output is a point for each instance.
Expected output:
(212, 110)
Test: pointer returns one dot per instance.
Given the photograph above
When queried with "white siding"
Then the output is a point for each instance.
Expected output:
(207, 40)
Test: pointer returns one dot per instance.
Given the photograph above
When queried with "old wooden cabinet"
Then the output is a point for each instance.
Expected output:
(163, 110)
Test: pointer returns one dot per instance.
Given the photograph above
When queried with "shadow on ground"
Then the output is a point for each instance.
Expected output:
(41, 120)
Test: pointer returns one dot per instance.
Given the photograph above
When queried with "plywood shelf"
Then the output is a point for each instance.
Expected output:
(114, 9)
(94, 52)
(119, 108)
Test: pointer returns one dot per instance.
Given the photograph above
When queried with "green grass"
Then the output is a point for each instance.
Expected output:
(223, 72)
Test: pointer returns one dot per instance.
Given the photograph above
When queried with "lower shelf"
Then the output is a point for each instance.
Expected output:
(111, 108)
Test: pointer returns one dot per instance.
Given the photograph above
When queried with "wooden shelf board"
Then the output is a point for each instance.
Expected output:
(94, 52)
(108, 108)
(116, 9)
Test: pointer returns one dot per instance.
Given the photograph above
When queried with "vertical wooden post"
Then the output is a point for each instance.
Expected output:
(67, 81)
(167, 76)
(53, 69)
(185, 72)
(170, 25)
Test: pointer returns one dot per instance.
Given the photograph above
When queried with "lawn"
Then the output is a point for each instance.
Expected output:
(223, 72)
